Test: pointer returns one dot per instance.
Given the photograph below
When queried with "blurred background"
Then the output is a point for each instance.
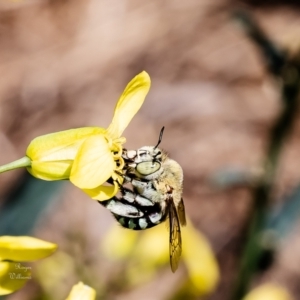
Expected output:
(63, 64)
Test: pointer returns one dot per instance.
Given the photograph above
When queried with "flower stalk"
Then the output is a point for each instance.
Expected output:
(287, 70)
(23, 162)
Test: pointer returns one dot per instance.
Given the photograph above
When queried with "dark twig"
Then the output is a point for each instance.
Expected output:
(286, 70)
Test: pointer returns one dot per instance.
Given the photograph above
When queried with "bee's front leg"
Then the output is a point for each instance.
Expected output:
(139, 186)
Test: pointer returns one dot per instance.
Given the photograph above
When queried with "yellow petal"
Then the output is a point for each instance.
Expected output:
(268, 292)
(199, 259)
(102, 192)
(81, 291)
(13, 276)
(146, 250)
(51, 170)
(129, 103)
(94, 163)
(118, 242)
(61, 145)
(149, 253)
(24, 248)
(140, 254)
(53, 273)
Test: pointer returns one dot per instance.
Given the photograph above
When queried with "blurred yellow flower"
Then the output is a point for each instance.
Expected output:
(87, 156)
(147, 250)
(81, 291)
(199, 259)
(13, 250)
(13, 277)
(268, 292)
(52, 273)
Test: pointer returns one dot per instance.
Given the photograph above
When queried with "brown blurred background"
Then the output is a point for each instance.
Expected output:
(63, 64)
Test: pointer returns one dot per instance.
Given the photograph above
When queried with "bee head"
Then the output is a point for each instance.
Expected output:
(147, 161)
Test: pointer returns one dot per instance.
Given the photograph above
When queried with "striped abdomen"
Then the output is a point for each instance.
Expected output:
(134, 216)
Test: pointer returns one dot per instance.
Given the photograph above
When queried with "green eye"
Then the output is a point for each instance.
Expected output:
(148, 167)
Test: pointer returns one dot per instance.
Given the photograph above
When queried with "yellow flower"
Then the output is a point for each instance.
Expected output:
(268, 292)
(13, 250)
(87, 156)
(200, 262)
(145, 253)
(81, 291)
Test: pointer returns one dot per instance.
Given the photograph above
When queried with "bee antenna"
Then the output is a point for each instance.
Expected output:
(160, 137)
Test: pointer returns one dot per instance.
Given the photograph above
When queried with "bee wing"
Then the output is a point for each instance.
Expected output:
(175, 237)
(181, 213)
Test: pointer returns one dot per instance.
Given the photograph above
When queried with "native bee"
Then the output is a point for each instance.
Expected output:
(156, 195)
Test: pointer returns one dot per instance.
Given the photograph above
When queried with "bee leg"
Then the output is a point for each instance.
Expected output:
(128, 205)
(130, 178)
(141, 186)
(125, 177)
(129, 155)
(133, 197)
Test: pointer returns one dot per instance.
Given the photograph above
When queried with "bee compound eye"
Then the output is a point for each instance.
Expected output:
(148, 167)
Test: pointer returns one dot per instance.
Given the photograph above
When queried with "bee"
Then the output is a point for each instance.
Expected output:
(156, 195)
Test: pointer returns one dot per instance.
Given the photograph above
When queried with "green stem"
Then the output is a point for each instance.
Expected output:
(288, 71)
(20, 163)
